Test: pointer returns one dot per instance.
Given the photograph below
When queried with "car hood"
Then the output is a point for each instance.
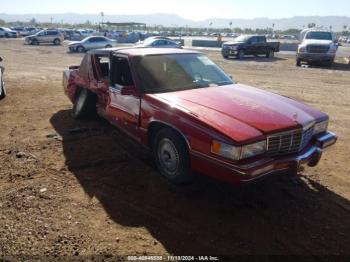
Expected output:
(241, 112)
(74, 43)
(317, 42)
(233, 43)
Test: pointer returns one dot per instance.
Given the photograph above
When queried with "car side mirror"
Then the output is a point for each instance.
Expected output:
(128, 91)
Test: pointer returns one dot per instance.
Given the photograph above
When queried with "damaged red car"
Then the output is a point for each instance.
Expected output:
(193, 117)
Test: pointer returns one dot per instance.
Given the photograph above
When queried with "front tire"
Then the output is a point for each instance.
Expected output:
(298, 62)
(80, 49)
(2, 90)
(171, 155)
(84, 104)
(57, 42)
(240, 54)
(35, 42)
(270, 54)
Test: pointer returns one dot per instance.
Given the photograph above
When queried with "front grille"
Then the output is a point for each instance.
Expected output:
(289, 142)
(318, 49)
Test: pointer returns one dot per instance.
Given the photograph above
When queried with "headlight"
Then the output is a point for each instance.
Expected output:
(253, 149)
(238, 152)
(224, 150)
(320, 127)
(302, 49)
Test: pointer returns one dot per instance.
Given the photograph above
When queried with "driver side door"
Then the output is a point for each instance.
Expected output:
(124, 101)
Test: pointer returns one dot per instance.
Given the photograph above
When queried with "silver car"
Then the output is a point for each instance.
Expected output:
(91, 42)
(159, 42)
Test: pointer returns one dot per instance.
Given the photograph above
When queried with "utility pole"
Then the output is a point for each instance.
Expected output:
(102, 16)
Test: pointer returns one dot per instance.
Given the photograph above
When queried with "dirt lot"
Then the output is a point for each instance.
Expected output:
(79, 188)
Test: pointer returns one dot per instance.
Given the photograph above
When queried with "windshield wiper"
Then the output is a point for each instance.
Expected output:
(222, 83)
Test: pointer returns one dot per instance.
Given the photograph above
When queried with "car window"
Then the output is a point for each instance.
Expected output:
(319, 35)
(254, 40)
(168, 73)
(1, 29)
(261, 39)
(97, 39)
(102, 66)
(120, 72)
(52, 33)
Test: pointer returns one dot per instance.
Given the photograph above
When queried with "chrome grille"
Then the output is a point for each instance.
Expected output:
(318, 49)
(289, 142)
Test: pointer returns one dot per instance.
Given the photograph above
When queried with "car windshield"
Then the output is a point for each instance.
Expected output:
(242, 38)
(149, 40)
(176, 72)
(319, 35)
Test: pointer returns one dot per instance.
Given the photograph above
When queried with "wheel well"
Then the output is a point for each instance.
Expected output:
(155, 127)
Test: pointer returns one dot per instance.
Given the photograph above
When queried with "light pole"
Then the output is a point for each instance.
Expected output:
(102, 15)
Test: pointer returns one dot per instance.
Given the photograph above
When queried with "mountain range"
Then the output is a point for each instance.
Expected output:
(337, 22)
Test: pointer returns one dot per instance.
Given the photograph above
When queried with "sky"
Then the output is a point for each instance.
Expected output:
(191, 9)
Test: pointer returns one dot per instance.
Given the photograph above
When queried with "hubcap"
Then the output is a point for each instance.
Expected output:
(168, 156)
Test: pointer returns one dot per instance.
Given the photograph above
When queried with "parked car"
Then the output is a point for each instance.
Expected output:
(21, 31)
(2, 83)
(194, 117)
(7, 32)
(250, 45)
(45, 37)
(317, 46)
(92, 42)
(159, 42)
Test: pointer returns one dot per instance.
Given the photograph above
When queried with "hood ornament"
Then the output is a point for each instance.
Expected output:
(295, 117)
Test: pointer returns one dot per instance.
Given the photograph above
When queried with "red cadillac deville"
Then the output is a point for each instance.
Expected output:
(195, 118)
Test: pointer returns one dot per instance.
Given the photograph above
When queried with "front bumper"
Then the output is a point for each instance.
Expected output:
(229, 52)
(311, 57)
(244, 173)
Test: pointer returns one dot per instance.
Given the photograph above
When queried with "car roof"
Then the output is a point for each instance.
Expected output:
(132, 51)
(154, 51)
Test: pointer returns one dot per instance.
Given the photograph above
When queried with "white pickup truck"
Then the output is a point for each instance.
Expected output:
(317, 46)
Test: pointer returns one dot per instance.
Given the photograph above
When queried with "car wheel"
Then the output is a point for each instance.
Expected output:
(57, 42)
(108, 46)
(7, 35)
(225, 56)
(80, 49)
(35, 42)
(240, 54)
(298, 62)
(270, 54)
(84, 104)
(329, 64)
(172, 157)
(2, 90)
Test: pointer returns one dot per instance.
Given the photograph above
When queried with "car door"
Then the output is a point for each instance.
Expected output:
(124, 104)
(262, 45)
(42, 37)
(253, 45)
